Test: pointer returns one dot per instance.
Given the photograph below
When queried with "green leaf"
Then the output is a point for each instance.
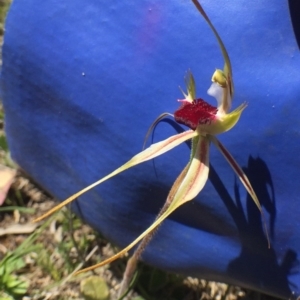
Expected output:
(19, 287)
(3, 143)
(14, 263)
(2, 270)
(26, 210)
(4, 296)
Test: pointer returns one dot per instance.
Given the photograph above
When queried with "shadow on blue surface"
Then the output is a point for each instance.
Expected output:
(295, 17)
(252, 233)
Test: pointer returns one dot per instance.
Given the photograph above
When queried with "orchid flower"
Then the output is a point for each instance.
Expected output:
(205, 122)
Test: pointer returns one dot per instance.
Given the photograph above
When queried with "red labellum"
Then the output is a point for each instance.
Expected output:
(195, 113)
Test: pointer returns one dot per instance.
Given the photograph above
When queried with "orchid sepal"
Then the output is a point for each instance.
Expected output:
(193, 181)
(151, 152)
(227, 65)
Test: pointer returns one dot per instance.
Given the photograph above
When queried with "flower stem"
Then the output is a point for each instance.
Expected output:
(133, 261)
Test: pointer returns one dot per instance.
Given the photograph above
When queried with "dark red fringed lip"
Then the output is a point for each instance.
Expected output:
(195, 113)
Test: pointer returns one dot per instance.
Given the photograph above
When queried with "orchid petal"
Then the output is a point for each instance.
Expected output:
(243, 178)
(153, 151)
(153, 125)
(190, 86)
(193, 181)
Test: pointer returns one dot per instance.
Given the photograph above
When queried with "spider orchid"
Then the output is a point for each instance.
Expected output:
(205, 122)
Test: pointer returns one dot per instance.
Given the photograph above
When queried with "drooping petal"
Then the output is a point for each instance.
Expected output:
(153, 125)
(243, 178)
(149, 153)
(191, 184)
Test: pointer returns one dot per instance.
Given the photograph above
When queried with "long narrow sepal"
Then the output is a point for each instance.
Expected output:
(153, 151)
(189, 187)
(227, 66)
(222, 78)
(243, 178)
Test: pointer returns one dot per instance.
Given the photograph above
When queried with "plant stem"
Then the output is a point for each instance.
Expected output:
(133, 261)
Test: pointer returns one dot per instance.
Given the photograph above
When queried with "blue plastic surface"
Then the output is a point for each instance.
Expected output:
(83, 81)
